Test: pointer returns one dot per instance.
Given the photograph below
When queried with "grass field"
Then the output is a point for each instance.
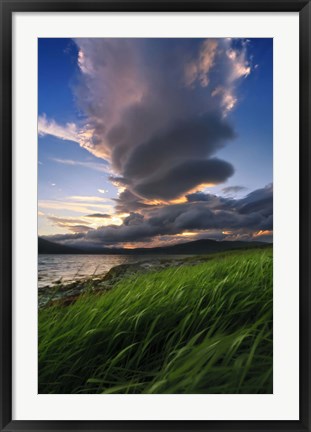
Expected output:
(204, 328)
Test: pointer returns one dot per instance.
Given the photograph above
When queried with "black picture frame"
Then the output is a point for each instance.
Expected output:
(7, 10)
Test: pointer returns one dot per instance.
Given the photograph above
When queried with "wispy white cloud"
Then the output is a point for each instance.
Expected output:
(199, 68)
(97, 166)
(232, 64)
(77, 224)
(74, 206)
(70, 132)
(86, 198)
(240, 66)
(227, 98)
(67, 220)
(50, 127)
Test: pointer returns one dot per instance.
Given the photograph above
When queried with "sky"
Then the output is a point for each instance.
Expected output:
(147, 142)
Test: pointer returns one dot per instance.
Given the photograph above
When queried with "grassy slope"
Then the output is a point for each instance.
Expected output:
(194, 329)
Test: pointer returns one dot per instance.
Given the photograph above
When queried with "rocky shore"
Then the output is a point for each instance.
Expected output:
(60, 294)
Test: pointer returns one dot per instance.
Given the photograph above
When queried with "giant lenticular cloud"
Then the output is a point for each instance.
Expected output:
(157, 111)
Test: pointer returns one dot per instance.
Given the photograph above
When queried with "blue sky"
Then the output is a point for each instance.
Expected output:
(109, 107)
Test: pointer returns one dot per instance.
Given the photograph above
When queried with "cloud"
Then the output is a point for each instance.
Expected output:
(133, 219)
(62, 221)
(78, 206)
(175, 181)
(237, 66)
(128, 202)
(152, 121)
(99, 215)
(74, 225)
(181, 153)
(86, 198)
(50, 127)
(69, 132)
(240, 65)
(214, 201)
(233, 189)
(198, 69)
(206, 133)
(97, 166)
(155, 110)
(63, 238)
(247, 218)
(259, 200)
(227, 99)
(79, 228)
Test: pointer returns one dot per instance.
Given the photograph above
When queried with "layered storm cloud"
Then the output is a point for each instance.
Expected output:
(156, 110)
(247, 218)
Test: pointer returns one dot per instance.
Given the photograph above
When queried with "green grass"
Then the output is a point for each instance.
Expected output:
(205, 328)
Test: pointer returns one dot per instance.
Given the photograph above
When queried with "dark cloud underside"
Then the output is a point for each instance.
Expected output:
(252, 213)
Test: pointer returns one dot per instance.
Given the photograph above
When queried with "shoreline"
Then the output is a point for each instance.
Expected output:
(63, 294)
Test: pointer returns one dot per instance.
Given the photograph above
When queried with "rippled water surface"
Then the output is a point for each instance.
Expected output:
(65, 268)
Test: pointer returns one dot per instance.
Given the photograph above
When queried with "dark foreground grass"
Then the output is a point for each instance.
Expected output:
(194, 329)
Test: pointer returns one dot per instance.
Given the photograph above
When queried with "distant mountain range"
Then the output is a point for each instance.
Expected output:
(48, 247)
(204, 246)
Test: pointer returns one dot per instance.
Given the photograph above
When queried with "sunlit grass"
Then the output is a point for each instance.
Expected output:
(205, 328)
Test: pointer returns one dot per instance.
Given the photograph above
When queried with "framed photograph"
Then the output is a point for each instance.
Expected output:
(155, 215)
